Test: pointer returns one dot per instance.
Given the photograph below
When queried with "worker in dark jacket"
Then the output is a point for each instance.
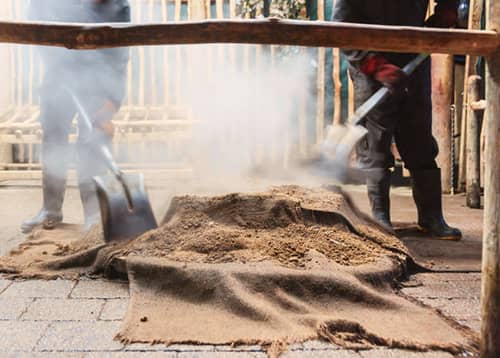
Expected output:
(98, 79)
(406, 116)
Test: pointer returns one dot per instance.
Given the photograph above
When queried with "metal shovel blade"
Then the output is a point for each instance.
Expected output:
(120, 221)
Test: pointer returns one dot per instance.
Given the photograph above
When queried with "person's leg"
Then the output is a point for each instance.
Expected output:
(373, 152)
(418, 150)
(56, 112)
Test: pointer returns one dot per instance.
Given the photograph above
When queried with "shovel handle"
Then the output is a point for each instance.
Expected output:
(383, 92)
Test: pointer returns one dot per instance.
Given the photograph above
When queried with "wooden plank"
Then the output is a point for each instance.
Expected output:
(490, 293)
(263, 31)
(473, 198)
(442, 99)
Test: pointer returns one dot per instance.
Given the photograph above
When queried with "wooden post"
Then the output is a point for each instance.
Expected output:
(475, 14)
(490, 294)
(442, 99)
(320, 84)
(473, 128)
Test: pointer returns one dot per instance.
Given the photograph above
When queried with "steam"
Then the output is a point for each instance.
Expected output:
(246, 114)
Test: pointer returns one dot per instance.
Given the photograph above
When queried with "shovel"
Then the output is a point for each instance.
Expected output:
(125, 208)
(336, 149)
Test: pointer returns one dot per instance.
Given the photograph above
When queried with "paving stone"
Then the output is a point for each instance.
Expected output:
(399, 353)
(131, 355)
(80, 336)
(4, 284)
(229, 348)
(100, 289)
(39, 289)
(459, 309)
(50, 309)
(450, 289)
(145, 347)
(20, 336)
(114, 310)
(221, 355)
(11, 308)
(335, 353)
(191, 348)
(447, 277)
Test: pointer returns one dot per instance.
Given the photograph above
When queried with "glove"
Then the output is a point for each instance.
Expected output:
(102, 117)
(445, 14)
(391, 76)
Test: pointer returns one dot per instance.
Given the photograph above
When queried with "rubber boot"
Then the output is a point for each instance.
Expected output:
(378, 183)
(427, 195)
(51, 213)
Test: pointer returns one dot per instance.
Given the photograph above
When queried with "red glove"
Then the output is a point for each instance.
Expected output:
(445, 14)
(391, 76)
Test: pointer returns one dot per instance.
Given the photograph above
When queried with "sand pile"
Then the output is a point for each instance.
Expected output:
(270, 268)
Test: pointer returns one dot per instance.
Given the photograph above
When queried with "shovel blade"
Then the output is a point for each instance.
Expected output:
(119, 221)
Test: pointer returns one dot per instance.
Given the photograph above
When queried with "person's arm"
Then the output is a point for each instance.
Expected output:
(372, 64)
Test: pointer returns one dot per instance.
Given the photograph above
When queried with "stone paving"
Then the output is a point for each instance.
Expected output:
(80, 318)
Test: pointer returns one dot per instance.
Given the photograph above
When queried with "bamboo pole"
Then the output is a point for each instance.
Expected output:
(178, 56)
(490, 293)
(442, 99)
(320, 82)
(473, 190)
(262, 31)
(475, 14)
(152, 57)
(166, 85)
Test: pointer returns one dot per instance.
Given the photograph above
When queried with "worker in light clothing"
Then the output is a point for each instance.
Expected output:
(98, 79)
(406, 116)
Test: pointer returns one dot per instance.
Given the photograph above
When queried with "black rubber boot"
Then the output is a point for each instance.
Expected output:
(378, 183)
(51, 213)
(427, 195)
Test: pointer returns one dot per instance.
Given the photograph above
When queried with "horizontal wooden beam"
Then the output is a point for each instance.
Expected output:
(266, 31)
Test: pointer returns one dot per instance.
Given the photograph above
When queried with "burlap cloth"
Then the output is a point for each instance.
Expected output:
(272, 268)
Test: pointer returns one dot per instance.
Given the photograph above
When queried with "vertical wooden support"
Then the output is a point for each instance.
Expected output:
(473, 128)
(152, 56)
(475, 14)
(490, 293)
(320, 101)
(442, 99)
(166, 69)
(178, 56)
(142, 62)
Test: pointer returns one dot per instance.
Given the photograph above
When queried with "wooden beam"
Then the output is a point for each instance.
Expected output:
(265, 31)
(490, 293)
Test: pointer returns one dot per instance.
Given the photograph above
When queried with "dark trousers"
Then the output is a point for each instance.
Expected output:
(57, 112)
(404, 117)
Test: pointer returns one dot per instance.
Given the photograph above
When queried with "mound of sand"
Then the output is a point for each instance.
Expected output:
(281, 266)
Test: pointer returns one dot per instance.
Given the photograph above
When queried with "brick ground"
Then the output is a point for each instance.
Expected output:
(79, 319)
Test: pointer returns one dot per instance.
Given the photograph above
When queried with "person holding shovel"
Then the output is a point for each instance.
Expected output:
(406, 116)
(98, 80)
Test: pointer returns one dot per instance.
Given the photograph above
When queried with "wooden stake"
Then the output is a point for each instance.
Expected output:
(475, 14)
(473, 128)
(442, 99)
(490, 294)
